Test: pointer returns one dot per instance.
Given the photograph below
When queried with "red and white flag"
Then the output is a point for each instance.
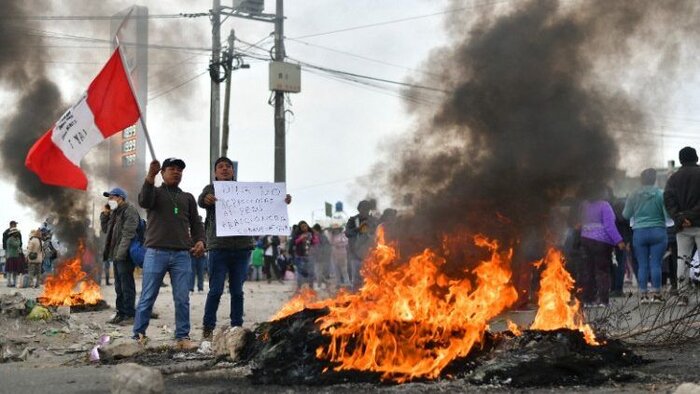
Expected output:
(107, 107)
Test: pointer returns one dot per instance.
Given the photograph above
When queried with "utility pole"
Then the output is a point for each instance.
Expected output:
(280, 133)
(215, 115)
(227, 93)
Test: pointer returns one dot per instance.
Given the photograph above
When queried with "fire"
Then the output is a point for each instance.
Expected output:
(512, 327)
(70, 285)
(557, 309)
(409, 320)
(303, 299)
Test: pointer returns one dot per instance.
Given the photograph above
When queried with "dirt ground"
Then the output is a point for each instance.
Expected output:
(58, 350)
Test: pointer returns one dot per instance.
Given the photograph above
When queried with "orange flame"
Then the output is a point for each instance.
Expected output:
(512, 327)
(409, 320)
(304, 299)
(557, 309)
(70, 285)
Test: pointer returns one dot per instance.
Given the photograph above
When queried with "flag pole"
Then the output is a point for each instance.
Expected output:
(138, 104)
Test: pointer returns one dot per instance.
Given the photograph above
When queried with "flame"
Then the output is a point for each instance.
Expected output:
(409, 320)
(557, 308)
(303, 299)
(512, 327)
(70, 285)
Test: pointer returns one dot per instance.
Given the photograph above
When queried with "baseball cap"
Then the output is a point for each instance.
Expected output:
(173, 162)
(117, 191)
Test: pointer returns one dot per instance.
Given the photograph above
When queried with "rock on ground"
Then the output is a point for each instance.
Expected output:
(231, 341)
(132, 378)
(687, 388)
(120, 349)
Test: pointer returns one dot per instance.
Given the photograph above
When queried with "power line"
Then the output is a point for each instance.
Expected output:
(99, 17)
(376, 79)
(361, 57)
(179, 85)
(64, 36)
(490, 3)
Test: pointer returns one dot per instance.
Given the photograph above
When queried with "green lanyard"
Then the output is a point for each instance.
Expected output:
(176, 210)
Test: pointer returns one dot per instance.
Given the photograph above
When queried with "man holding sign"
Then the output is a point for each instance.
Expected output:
(240, 211)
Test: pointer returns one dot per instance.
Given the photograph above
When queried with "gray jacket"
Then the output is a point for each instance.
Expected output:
(214, 242)
(120, 226)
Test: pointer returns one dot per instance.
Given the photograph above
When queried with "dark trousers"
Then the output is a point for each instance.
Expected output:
(595, 270)
(270, 266)
(670, 266)
(125, 287)
(105, 268)
(199, 264)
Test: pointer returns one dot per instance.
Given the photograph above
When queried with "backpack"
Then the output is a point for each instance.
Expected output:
(137, 250)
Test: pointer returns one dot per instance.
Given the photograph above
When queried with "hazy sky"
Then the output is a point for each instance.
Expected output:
(338, 130)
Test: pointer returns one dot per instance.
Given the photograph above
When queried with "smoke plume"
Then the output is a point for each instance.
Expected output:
(37, 105)
(537, 107)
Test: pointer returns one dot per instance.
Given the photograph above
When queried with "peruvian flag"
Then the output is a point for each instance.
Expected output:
(108, 106)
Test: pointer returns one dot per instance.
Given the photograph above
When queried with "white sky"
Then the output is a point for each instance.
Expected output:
(337, 129)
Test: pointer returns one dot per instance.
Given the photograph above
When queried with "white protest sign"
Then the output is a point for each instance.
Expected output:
(251, 208)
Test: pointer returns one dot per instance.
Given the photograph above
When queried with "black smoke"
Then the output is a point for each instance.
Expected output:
(532, 112)
(36, 105)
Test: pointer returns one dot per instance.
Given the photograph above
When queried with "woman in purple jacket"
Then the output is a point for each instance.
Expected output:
(599, 236)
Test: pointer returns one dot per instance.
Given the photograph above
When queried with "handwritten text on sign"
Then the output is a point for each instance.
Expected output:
(251, 208)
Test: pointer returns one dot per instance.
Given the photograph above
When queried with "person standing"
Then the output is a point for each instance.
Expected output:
(35, 256)
(13, 254)
(645, 208)
(321, 255)
(360, 230)
(106, 210)
(173, 231)
(339, 255)
(682, 201)
(598, 237)
(257, 261)
(6, 234)
(303, 264)
(228, 256)
(271, 245)
(199, 265)
(120, 224)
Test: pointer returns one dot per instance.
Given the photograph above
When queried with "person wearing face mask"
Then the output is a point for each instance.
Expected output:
(120, 223)
(173, 233)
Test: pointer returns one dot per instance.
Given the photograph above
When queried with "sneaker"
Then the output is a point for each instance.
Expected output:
(657, 299)
(185, 344)
(644, 300)
(126, 321)
(601, 305)
(682, 301)
(207, 333)
(116, 319)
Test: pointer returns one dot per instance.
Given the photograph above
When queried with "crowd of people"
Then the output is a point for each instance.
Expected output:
(653, 235)
(27, 265)
(655, 232)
